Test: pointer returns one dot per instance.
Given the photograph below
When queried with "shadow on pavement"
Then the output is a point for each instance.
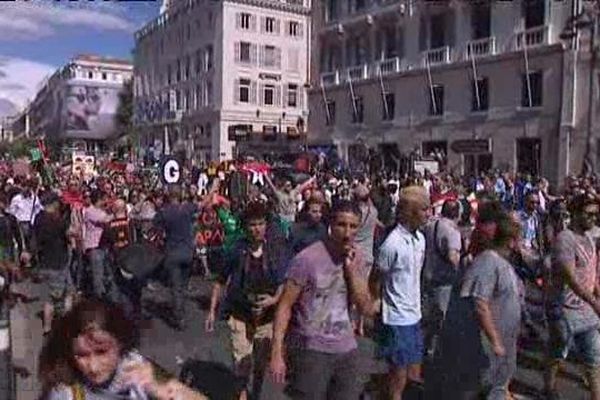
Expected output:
(159, 309)
(214, 380)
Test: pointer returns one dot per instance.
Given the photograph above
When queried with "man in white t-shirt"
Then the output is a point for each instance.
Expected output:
(399, 265)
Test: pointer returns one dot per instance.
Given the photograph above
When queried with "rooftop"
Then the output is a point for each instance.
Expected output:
(100, 59)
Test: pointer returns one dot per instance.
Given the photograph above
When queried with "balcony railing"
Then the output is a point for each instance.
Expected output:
(358, 73)
(330, 78)
(437, 56)
(481, 47)
(533, 37)
(388, 66)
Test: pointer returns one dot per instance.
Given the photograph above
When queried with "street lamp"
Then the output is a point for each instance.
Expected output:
(586, 20)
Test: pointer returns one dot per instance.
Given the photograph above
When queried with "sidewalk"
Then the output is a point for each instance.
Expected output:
(27, 340)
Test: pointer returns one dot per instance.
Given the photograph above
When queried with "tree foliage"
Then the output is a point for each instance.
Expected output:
(124, 115)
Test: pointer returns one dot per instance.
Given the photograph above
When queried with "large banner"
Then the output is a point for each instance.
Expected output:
(89, 110)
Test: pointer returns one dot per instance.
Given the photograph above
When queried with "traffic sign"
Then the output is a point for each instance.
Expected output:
(472, 146)
(170, 171)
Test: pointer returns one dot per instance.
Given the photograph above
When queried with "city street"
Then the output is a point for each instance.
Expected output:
(210, 355)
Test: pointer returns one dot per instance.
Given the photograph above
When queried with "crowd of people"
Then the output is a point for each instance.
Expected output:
(435, 268)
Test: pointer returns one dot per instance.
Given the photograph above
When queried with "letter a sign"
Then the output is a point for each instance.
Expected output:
(170, 171)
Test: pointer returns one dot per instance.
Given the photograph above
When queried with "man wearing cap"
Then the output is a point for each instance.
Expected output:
(399, 265)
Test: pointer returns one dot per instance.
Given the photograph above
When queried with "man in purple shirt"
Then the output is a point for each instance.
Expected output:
(321, 347)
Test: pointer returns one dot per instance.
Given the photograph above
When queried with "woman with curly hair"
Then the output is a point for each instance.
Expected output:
(478, 354)
(89, 355)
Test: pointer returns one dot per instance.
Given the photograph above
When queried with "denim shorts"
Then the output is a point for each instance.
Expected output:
(401, 346)
(562, 339)
(59, 282)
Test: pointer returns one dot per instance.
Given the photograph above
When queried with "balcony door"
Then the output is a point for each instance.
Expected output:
(534, 13)
(481, 20)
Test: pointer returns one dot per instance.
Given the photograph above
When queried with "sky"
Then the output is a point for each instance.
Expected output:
(39, 36)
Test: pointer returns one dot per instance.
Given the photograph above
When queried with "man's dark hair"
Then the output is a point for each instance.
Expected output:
(347, 206)
(96, 196)
(579, 202)
(253, 211)
(451, 209)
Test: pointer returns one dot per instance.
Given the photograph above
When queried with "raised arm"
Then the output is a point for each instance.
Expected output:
(359, 287)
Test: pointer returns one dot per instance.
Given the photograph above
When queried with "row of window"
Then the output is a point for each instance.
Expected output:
(182, 70)
(196, 98)
(268, 94)
(531, 96)
(267, 56)
(436, 30)
(271, 25)
(97, 75)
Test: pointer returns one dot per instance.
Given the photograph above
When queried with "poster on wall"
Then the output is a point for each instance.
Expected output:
(89, 111)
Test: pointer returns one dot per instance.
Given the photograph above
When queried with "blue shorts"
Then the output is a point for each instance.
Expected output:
(562, 339)
(401, 346)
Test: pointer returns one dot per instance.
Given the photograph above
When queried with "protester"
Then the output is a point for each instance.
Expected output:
(573, 306)
(51, 246)
(310, 229)
(478, 354)
(95, 219)
(442, 261)
(399, 265)
(90, 355)
(321, 349)
(176, 220)
(253, 278)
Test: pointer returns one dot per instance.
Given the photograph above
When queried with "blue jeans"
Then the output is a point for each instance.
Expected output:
(178, 264)
(100, 273)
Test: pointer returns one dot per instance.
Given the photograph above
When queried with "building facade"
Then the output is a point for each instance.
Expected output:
(80, 100)
(218, 78)
(488, 84)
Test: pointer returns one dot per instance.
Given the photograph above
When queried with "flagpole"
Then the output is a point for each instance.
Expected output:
(324, 95)
(430, 81)
(473, 65)
(528, 79)
(383, 93)
(354, 109)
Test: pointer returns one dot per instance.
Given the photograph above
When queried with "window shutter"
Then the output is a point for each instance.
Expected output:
(293, 60)
(300, 29)
(262, 56)
(253, 92)
(286, 31)
(277, 26)
(285, 96)
(253, 54)
(253, 22)
(277, 101)
(423, 33)
(237, 52)
(261, 96)
(238, 20)
(278, 57)
(263, 24)
(300, 96)
(450, 20)
(236, 90)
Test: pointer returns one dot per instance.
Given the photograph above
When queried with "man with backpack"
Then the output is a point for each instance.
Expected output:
(442, 259)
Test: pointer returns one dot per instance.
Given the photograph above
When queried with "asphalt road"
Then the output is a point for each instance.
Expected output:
(210, 352)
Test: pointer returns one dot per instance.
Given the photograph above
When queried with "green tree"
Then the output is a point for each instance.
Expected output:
(124, 116)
